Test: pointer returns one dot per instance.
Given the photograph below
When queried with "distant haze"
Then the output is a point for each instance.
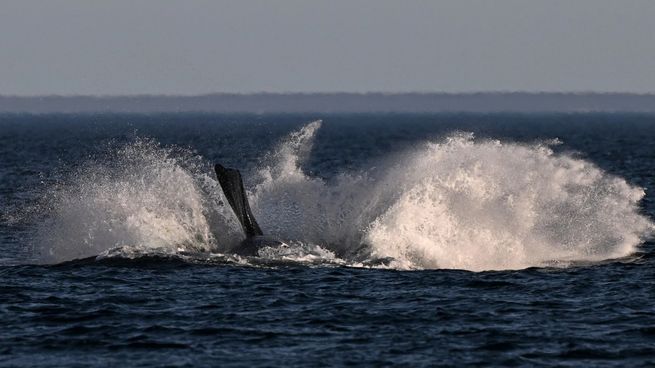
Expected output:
(124, 47)
(336, 103)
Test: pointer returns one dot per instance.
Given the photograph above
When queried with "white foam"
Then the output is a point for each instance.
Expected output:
(457, 203)
(142, 195)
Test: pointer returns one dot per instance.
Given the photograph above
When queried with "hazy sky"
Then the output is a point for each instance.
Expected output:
(194, 46)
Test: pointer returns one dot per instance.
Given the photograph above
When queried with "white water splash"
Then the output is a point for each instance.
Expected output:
(457, 203)
(491, 205)
(142, 196)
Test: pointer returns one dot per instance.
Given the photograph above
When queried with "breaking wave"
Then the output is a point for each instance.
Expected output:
(456, 203)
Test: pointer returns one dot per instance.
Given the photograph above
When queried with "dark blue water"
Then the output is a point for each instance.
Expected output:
(590, 302)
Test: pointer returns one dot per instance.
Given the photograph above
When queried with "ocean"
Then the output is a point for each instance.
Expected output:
(445, 239)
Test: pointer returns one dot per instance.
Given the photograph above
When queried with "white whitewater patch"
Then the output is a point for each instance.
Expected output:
(141, 197)
(458, 203)
(300, 252)
(492, 205)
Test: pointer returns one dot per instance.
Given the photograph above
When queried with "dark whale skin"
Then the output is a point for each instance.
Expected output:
(250, 246)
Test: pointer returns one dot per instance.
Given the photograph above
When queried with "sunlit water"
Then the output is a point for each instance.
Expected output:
(410, 239)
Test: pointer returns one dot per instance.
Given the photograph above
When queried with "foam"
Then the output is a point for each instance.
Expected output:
(140, 195)
(455, 203)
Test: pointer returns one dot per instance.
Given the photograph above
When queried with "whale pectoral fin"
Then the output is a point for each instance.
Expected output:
(232, 185)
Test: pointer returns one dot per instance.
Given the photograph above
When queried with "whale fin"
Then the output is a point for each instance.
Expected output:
(232, 185)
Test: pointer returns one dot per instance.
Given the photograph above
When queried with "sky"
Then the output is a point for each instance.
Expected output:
(188, 47)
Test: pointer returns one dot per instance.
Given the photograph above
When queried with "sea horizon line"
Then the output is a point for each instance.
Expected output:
(335, 102)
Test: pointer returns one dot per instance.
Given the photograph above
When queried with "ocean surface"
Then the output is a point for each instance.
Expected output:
(410, 240)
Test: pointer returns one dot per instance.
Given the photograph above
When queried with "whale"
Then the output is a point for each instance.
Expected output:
(231, 183)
